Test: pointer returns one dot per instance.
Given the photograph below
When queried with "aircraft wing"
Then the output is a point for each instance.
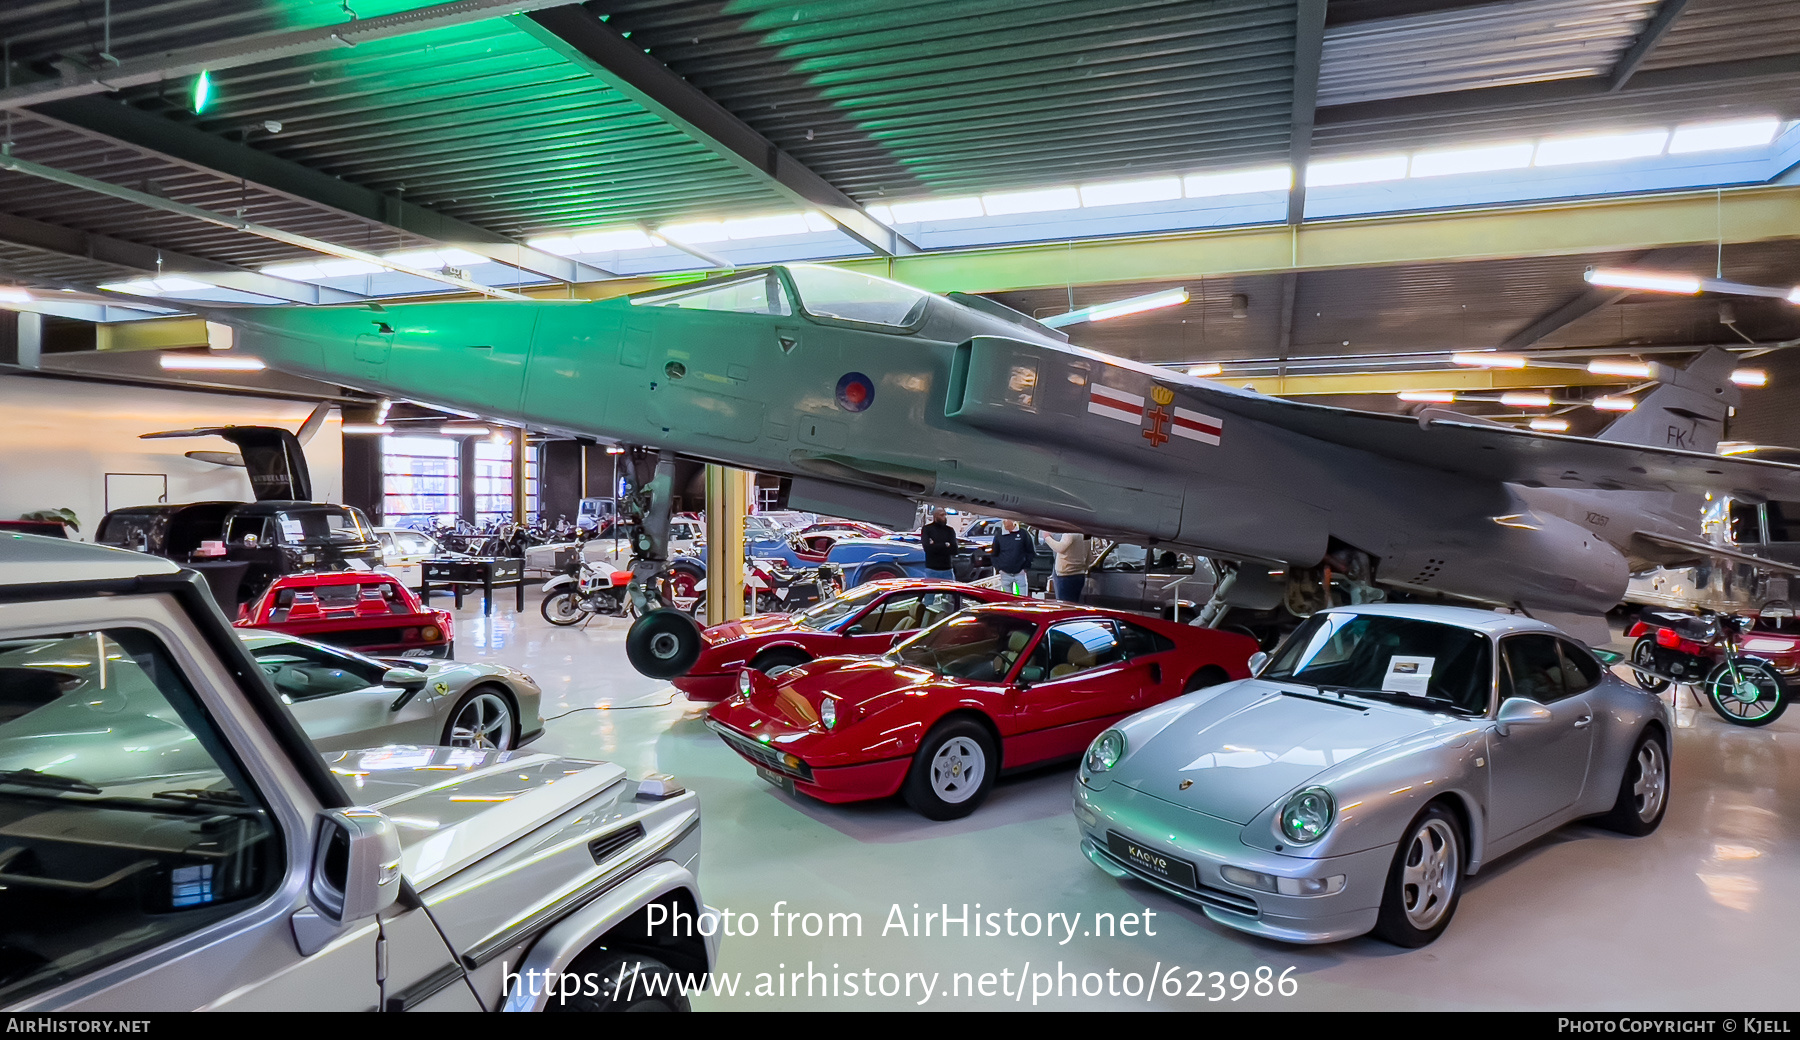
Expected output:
(1516, 456)
(1703, 550)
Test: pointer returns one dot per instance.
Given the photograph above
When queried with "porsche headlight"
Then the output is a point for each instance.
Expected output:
(828, 712)
(1105, 751)
(1307, 816)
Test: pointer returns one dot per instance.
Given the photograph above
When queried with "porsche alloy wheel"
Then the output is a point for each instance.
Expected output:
(952, 772)
(1424, 881)
(483, 719)
(1643, 789)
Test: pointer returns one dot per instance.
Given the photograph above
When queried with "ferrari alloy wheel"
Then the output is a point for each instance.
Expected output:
(1746, 691)
(562, 608)
(483, 719)
(1643, 790)
(1424, 882)
(953, 770)
(1643, 652)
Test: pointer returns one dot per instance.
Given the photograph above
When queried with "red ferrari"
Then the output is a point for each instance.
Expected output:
(868, 619)
(366, 611)
(1002, 686)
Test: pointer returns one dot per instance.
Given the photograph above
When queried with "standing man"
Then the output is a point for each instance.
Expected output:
(1072, 560)
(940, 546)
(1012, 555)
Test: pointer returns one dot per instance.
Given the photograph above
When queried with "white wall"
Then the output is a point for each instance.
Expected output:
(59, 438)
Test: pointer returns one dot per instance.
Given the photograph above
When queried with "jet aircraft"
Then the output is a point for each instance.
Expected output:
(873, 396)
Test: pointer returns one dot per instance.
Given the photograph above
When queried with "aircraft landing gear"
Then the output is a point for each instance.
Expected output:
(1344, 578)
(664, 641)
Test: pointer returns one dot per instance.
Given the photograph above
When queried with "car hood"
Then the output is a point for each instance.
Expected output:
(1251, 743)
(865, 684)
(454, 806)
(761, 624)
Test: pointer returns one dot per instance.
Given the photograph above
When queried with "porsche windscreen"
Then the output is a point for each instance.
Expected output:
(978, 646)
(1402, 660)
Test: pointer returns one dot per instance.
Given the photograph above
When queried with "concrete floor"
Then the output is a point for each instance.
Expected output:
(1698, 916)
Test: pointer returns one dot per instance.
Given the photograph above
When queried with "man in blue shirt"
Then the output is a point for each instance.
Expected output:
(1012, 553)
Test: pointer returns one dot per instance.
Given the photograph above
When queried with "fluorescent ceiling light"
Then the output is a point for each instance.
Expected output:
(1356, 171)
(1617, 367)
(1124, 193)
(1489, 360)
(767, 227)
(465, 429)
(1430, 396)
(1750, 377)
(1119, 308)
(1585, 148)
(696, 233)
(1713, 137)
(936, 209)
(1206, 371)
(1650, 281)
(1239, 182)
(1794, 295)
(1526, 400)
(1550, 425)
(1614, 404)
(1472, 160)
(367, 428)
(14, 296)
(1007, 203)
(207, 363)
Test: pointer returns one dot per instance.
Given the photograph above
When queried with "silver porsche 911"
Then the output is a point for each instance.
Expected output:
(344, 700)
(1382, 755)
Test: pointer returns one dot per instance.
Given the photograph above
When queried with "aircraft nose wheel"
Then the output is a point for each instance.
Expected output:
(663, 643)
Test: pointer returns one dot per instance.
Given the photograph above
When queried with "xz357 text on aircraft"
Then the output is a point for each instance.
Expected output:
(873, 396)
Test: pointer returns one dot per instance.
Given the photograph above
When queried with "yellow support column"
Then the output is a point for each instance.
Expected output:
(519, 448)
(727, 500)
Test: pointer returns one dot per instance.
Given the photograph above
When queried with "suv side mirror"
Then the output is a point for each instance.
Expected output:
(356, 865)
(1257, 661)
(1521, 711)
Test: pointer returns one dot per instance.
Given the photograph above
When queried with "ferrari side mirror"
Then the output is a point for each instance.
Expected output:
(409, 682)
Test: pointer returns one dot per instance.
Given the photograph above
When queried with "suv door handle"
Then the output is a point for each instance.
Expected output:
(1583, 721)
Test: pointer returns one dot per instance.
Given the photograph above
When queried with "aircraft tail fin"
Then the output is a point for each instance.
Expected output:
(1686, 411)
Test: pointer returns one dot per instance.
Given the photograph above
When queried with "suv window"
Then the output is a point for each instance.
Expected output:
(124, 820)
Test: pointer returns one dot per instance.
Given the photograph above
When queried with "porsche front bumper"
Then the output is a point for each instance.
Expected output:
(1209, 844)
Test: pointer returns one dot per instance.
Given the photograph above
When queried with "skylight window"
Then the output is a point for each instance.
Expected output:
(697, 233)
(1356, 171)
(936, 209)
(1123, 193)
(1586, 148)
(1238, 182)
(435, 259)
(881, 213)
(767, 227)
(156, 286)
(1031, 201)
(1485, 159)
(612, 241)
(1713, 137)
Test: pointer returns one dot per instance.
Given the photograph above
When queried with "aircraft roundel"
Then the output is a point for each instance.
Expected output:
(855, 392)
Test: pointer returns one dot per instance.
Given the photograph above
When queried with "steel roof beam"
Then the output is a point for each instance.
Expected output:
(151, 69)
(579, 36)
(198, 150)
(206, 216)
(1646, 42)
(58, 240)
(1594, 298)
(1309, 47)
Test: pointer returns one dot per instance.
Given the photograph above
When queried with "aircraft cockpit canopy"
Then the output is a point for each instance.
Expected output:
(824, 292)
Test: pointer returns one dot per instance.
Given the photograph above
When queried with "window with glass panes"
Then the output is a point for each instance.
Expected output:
(421, 480)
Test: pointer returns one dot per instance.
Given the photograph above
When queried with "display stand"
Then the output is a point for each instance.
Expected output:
(456, 575)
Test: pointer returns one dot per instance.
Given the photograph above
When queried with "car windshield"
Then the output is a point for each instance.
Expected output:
(982, 646)
(825, 614)
(1405, 660)
(321, 527)
(835, 293)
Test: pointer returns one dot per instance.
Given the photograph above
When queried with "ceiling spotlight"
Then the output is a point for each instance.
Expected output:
(382, 409)
(1550, 425)
(1619, 367)
(1429, 396)
(465, 430)
(1750, 377)
(206, 363)
(367, 428)
(1526, 400)
(1614, 404)
(1205, 371)
(1489, 360)
(1794, 295)
(272, 125)
(1649, 281)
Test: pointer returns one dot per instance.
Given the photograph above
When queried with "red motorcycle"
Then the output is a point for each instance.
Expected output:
(1706, 651)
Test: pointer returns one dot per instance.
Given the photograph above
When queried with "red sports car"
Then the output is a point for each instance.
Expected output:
(1002, 686)
(868, 619)
(367, 611)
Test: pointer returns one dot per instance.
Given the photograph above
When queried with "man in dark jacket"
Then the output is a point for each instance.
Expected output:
(940, 546)
(1012, 553)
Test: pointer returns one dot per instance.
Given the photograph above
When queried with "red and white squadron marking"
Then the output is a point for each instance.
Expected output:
(1115, 404)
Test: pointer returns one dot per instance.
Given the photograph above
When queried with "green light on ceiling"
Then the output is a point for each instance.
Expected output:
(203, 89)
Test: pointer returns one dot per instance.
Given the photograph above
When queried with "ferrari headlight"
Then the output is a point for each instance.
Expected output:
(1105, 751)
(828, 712)
(1307, 816)
(744, 682)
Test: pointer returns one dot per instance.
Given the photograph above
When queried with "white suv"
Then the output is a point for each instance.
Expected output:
(169, 838)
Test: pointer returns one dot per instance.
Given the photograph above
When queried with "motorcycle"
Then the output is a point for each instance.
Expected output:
(770, 586)
(580, 590)
(1704, 651)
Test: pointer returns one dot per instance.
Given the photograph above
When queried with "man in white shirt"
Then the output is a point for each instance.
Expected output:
(1073, 557)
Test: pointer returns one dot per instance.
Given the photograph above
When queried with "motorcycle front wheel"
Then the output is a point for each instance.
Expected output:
(562, 608)
(1755, 696)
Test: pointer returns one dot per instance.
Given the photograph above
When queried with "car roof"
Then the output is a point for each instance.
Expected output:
(337, 578)
(33, 559)
(1052, 611)
(1489, 621)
